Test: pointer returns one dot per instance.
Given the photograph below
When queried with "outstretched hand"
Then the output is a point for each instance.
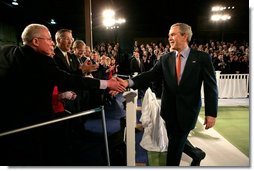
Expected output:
(123, 83)
(115, 85)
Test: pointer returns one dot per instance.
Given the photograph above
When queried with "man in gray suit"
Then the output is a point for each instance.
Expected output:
(181, 97)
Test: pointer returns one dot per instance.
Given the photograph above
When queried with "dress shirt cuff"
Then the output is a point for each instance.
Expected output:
(130, 83)
(103, 84)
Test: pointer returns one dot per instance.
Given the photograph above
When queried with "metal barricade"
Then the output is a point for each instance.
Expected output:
(87, 112)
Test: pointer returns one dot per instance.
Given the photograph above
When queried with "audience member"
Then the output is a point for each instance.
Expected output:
(28, 75)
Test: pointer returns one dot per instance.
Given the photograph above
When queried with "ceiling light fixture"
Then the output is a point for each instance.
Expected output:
(15, 2)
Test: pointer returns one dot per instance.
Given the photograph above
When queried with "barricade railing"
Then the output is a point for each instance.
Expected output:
(87, 112)
(131, 109)
(131, 97)
(231, 85)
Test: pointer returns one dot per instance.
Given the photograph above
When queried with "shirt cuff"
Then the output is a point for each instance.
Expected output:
(103, 84)
(130, 83)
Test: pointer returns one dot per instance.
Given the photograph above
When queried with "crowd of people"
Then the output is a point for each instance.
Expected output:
(29, 74)
(44, 78)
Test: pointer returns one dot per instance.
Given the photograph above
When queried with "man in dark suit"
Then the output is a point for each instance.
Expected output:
(181, 96)
(69, 63)
(137, 66)
(136, 63)
(28, 74)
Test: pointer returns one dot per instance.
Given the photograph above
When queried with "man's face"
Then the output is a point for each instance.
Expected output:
(87, 52)
(136, 54)
(65, 41)
(176, 40)
(45, 43)
(80, 50)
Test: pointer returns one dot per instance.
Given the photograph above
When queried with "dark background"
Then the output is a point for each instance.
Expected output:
(145, 20)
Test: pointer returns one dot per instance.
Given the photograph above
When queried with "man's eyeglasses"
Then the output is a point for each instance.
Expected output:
(49, 39)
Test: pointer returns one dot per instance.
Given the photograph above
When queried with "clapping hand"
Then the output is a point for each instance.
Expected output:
(87, 66)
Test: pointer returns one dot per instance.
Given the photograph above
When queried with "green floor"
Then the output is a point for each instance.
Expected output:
(232, 123)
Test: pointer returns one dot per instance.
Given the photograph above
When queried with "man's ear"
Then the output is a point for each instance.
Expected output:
(35, 42)
(185, 36)
(58, 40)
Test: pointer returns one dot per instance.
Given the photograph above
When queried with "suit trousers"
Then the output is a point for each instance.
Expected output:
(176, 144)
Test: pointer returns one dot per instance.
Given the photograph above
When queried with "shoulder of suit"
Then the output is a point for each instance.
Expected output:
(199, 52)
(203, 56)
(10, 50)
(167, 55)
(56, 50)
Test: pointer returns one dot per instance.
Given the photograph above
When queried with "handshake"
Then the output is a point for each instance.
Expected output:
(116, 85)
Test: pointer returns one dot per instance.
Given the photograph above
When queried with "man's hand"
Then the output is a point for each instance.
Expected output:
(88, 67)
(70, 95)
(115, 85)
(122, 82)
(209, 122)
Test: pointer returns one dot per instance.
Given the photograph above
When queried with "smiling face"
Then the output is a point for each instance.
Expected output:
(65, 41)
(177, 40)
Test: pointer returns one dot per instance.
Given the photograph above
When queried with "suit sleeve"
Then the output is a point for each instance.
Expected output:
(147, 77)
(71, 80)
(210, 87)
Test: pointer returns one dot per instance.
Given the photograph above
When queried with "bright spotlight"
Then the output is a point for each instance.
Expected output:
(225, 17)
(120, 21)
(109, 22)
(108, 13)
(217, 8)
(218, 17)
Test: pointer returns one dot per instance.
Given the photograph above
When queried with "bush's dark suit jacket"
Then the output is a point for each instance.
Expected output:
(180, 104)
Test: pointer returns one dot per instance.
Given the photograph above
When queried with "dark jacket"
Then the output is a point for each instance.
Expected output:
(135, 66)
(180, 104)
(27, 80)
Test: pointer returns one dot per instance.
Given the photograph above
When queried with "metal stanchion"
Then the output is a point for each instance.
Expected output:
(105, 134)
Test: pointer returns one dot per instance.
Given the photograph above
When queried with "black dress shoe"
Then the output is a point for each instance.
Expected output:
(200, 155)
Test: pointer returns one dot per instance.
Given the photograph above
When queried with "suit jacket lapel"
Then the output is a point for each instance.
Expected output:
(172, 67)
(65, 61)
